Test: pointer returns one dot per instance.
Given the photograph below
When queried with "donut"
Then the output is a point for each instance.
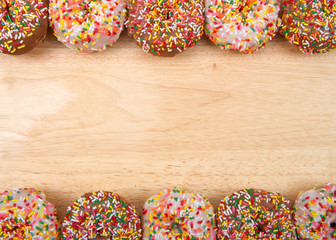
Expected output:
(87, 26)
(101, 214)
(23, 25)
(176, 214)
(310, 24)
(26, 214)
(255, 214)
(315, 213)
(165, 28)
(242, 25)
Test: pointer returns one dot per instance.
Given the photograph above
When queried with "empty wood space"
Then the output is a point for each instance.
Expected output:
(209, 120)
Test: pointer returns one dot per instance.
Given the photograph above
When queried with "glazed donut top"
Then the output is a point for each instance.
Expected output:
(310, 24)
(87, 25)
(315, 213)
(175, 214)
(243, 25)
(165, 27)
(25, 214)
(101, 214)
(23, 24)
(255, 214)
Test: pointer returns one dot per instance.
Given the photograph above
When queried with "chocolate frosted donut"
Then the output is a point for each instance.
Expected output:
(23, 26)
(255, 214)
(26, 214)
(165, 27)
(310, 24)
(315, 213)
(101, 214)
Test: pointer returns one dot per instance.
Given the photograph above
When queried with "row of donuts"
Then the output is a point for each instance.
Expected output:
(168, 27)
(171, 214)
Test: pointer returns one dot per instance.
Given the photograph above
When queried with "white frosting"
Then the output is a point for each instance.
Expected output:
(192, 214)
(241, 25)
(315, 213)
(23, 215)
(87, 25)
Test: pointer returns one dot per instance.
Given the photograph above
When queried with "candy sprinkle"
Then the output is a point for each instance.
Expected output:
(25, 214)
(242, 25)
(175, 214)
(315, 213)
(87, 25)
(255, 214)
(165, 27)
(310, 24)
(23, 25)
(102, 214)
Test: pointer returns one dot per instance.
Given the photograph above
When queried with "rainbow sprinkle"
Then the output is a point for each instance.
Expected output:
(165, 27)
(310, 24)
(175, 214)
(242, 25)
(87, 25)
(102, 214)
(255, 214)
(315, 213)
(23, 25)
(25, 214)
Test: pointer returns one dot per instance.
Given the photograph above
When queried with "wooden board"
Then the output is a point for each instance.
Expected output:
(212, 121)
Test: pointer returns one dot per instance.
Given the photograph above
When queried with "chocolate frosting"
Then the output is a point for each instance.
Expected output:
(23, 25)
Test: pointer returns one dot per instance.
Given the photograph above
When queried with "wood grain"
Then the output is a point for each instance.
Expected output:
(212, 121)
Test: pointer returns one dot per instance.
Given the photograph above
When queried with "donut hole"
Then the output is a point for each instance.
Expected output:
(102, 238)
(5, 8)
(240, 9)
(167, 16)
(175, 228)
(15, 228)
(246, 6)
(261, 227)
(333, 225)
(85, 7)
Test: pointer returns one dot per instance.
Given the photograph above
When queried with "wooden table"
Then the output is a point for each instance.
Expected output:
(212, 121)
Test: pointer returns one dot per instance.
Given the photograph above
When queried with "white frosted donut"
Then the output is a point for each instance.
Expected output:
(176, 214)
(315, 213)
(87, 25)
(25, 214)
(243, 25)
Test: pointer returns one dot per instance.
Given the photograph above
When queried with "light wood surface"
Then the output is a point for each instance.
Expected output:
(212, 121)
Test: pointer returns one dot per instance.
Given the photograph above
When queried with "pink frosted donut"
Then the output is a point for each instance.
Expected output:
(242, 25)
(315, 213)
(176, 214)
(87, 25)
(26, 214)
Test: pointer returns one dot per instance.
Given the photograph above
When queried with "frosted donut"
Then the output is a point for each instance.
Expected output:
(101, 214)
(242, 25)
(23, 25)
(255, 214)
(87, 25)
(176, 214)
(310, 25)
(315, 213)
(165, 27)
(26, 214)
